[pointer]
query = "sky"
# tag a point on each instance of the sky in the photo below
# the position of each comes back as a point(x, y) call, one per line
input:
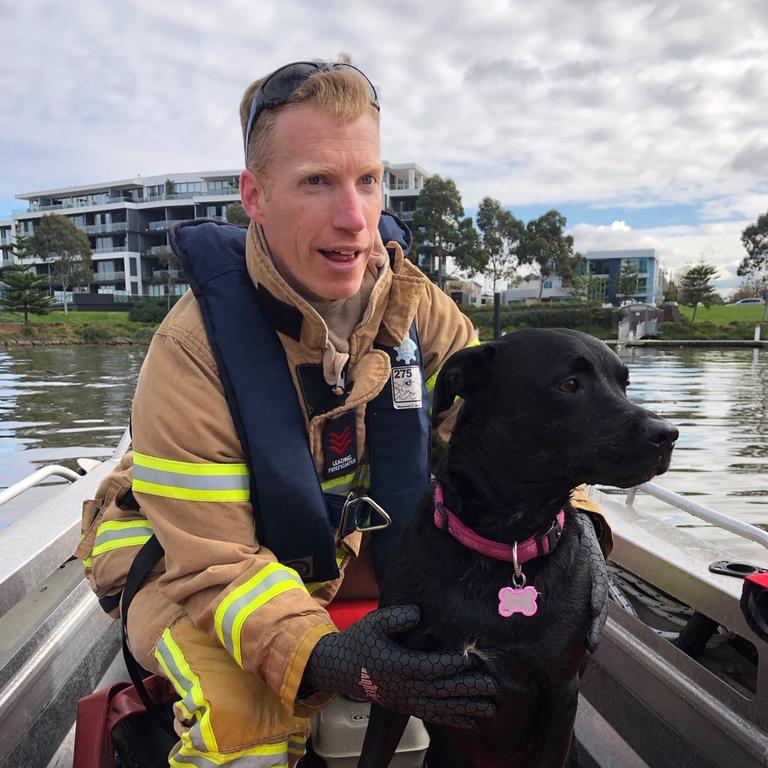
point(644, 123)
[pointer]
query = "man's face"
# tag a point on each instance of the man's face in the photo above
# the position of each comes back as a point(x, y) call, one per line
point(321, 202)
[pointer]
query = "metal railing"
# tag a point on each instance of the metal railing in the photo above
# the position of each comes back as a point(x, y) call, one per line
point(37, 477)
point(721, 520)
point(100, 229)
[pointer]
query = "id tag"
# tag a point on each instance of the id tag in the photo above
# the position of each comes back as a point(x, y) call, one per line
point(513, 600)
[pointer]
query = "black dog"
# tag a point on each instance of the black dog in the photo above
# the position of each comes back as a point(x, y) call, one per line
point(543, 411)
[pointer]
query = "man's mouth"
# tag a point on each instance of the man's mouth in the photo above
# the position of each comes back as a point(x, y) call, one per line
point(339, 255)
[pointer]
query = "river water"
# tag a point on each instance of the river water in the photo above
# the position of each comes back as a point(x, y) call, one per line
point(61, 403)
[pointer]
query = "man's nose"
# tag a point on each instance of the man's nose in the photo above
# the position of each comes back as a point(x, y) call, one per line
point(349, 211)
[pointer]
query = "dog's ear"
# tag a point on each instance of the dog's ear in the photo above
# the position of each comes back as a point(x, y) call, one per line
point(464, 372)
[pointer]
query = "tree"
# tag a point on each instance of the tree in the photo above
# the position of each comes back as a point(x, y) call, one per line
point(751, 287)
point(671, 290)
point(65, 248)
point(629, 280)
point(543, 245)
point(170, 187)
point(696, 288)
point(468, 251)
point(236, 215)
point(500, 233)
point(23, 291)
point(754, 266)
point(437, 218)
point(589, 288)
point(167, 276)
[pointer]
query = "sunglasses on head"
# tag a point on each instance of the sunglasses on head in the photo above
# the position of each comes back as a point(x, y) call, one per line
point(278, 87)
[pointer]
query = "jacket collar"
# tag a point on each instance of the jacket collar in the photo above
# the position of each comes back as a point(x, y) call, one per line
point(391, 307)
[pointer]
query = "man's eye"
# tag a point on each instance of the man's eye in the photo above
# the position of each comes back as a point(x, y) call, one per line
point(368, 179)
point(314, 180)
point(569, 385)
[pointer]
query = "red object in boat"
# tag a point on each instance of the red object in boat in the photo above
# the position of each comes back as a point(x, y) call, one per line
point(346, 612)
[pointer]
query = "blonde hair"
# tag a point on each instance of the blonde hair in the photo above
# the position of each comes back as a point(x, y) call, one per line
point(341, 93)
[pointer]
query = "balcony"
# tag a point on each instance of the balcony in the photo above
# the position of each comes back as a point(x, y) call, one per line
point(111, 249)
point(162, 226)
point(102, 229)
point(161, 275)
point(158, 250)
point(108, 277)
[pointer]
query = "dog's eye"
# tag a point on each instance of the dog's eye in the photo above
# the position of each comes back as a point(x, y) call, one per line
point(569, 385)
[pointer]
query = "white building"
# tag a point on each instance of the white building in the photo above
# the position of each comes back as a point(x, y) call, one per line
point(527, 291)
point(127, 221)
point(607, 265)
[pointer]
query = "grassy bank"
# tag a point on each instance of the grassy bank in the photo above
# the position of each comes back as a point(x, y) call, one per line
point(713, 323)
point(74, 328)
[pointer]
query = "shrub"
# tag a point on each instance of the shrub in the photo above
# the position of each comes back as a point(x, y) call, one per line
point(143, 335)
point(150, 310)
point(599, 322)
point(95, 334)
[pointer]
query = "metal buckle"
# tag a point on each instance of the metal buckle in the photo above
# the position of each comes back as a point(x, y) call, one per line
point(518, 578)
point(350, 507)
point(553, 534)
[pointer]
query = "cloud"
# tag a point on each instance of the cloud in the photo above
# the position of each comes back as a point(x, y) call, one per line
point(600, 102)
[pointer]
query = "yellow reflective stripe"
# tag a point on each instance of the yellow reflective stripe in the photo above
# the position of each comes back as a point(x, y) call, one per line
point(187, 685)
point(88, 562)
point(116, 534)
point(329, 485)
point(131, 541)
point(188, 467)
point(272, 580)
point(475, 341)
point(273, 755)
point(190, 494)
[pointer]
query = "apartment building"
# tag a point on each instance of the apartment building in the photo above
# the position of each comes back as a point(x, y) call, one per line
point(127, 224)
point(607, 265)
point(128, 221)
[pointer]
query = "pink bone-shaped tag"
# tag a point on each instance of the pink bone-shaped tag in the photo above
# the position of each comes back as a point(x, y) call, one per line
point(513, 601)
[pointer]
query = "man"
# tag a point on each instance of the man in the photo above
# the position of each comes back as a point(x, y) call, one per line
point(233, 628)
point(226, 478)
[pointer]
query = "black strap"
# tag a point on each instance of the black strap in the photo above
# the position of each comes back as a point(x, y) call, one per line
point(146, 558)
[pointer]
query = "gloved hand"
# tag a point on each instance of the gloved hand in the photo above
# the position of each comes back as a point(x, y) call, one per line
point(364, 661)
point(593, 553)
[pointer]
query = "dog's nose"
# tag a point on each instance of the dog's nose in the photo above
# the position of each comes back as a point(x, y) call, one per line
point(662, 433)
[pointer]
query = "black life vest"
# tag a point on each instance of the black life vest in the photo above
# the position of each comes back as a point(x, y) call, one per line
point(293, 517)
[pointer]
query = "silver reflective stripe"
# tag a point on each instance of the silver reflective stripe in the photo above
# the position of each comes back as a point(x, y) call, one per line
point(280, 574)
point(279, 760)
point(224, 482)
point(105, 536)
point(187, 686)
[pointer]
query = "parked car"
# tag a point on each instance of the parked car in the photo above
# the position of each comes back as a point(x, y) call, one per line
point(753, 300)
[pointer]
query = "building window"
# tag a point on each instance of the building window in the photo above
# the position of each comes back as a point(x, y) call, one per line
point(187, 187)
point(224, 186)
point(132, 266)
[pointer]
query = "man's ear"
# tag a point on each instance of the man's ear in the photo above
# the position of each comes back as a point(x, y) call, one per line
point(464, 373)
point(252, 195)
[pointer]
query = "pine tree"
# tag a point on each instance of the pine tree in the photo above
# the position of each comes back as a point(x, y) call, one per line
point(23, 291)
point(695, 287)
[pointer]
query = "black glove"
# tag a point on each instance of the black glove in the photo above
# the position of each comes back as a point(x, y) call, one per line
point(362, 661)
point(599, 600)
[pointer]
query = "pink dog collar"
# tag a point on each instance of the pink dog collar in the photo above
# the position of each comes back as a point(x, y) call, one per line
point(536, 546)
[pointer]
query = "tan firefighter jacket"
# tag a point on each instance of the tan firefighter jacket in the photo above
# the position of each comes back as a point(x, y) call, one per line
point(214, 568)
